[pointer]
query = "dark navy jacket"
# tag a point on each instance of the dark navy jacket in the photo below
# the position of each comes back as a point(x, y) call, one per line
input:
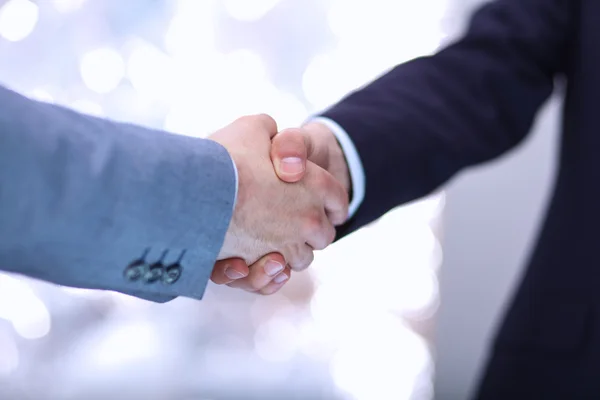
point(425, 120)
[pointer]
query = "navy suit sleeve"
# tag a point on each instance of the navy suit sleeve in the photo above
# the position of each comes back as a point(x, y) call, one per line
point(422, 122)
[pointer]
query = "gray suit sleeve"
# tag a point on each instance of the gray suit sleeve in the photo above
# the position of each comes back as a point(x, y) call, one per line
point(92, 203)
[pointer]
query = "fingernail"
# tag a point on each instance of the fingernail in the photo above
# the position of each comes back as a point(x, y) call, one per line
point(233, 274)
point(280, 278)
point(272, 268)
point(292, 165)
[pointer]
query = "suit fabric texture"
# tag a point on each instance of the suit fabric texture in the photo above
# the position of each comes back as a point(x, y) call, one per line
point(92, 203)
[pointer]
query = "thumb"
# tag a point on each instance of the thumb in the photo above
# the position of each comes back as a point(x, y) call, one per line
point(289, 151)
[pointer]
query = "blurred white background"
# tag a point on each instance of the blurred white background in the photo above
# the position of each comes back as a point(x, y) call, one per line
point(358, 325)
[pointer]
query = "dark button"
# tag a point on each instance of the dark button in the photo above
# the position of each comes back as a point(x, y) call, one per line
point(172, 274)
point(135, 270)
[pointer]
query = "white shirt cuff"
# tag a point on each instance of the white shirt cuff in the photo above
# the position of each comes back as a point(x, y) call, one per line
point(236, 182)
point(355, 166)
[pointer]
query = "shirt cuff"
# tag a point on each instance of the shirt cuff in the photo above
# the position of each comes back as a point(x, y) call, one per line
point(236, 182)
point(355, 166)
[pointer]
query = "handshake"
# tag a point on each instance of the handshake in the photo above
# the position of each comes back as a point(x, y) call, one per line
point(293, 190)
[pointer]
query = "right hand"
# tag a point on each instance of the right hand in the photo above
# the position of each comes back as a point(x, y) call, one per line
point(271, 215)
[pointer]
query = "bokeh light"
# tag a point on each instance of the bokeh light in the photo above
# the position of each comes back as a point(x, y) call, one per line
point(66, 6)
point(244, 10)
point(87, 107)
point(400, 357)
point(41, 95)
point(349, 328)
point(18, 18)
point(9, 354)
point(132, 341)
point(20, 306)
point(151, 72)
point(102, 70)
point(190, 36)
point(276, 340)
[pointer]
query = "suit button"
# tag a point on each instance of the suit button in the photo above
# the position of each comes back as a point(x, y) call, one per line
point(135, 270)
point(172, 274)
point(154, 273)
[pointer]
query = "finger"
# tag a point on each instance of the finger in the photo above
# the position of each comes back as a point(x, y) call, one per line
point(299, 257)
point(261, 273)
point(226, 271)
point(268, 123)
point(289, 151)
point(320, 232)
point(332, 194)
point(277, 283)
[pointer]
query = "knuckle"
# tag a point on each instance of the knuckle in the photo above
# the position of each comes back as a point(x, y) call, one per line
point(339, 216)
point(267, 121)
point(338, 193)
point(313, 226)
point(345, 200)
point(261, 120)
point(245, 119)
point(324, 239)
point(268, 291)
point(293, 143)
point(304, 259)
point(287, 254)
point(255, 284)
point(330, 234)
point(307, 260)
point(321, 182)
point(322, 233)
point(294, 262)
point(294, 134)
point(289, 145)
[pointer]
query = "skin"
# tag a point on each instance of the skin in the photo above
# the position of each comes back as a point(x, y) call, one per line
point(285, 222)
point(292, 152)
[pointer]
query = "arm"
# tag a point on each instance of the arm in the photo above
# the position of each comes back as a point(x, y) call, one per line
point(91, 203)
point(425, 120)
point(81, 198)
point(402, 136)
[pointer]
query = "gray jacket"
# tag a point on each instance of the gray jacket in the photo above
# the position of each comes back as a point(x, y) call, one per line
point(92, 203)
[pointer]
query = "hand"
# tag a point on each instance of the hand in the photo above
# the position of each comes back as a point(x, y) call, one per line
point(273, 216)
point(289, 152)
point(314, 142)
